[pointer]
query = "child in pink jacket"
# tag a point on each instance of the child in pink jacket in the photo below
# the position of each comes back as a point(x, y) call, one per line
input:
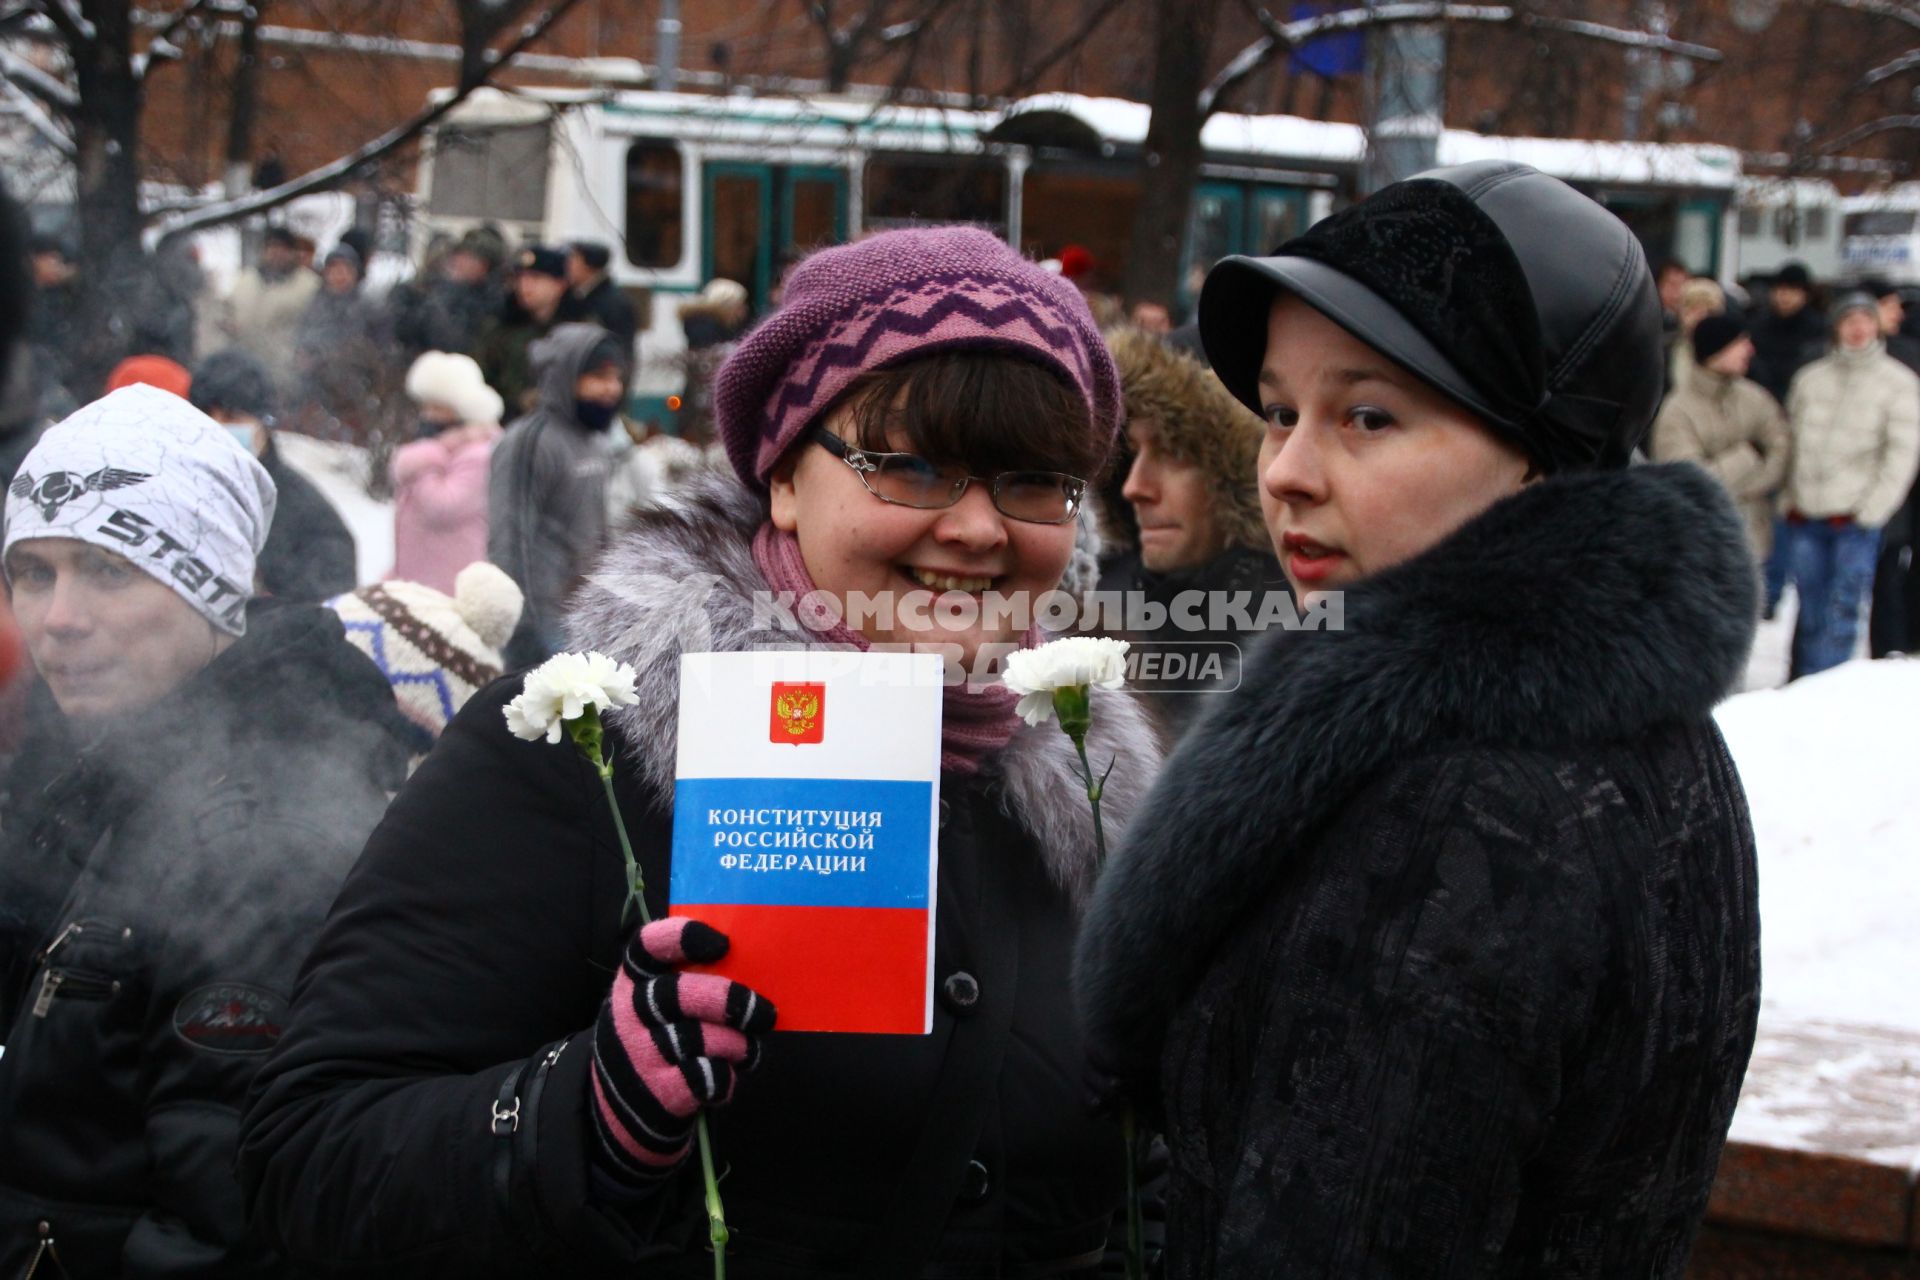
point(440, 479)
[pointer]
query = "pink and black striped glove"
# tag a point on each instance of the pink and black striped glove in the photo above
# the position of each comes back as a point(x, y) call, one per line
point(668, 1044)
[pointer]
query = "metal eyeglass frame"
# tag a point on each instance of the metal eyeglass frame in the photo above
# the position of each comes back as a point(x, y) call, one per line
point(863, 463)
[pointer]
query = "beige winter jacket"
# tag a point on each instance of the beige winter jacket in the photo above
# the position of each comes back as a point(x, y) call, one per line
point(262, 315)
point(1734, 429)
point(1856, 436)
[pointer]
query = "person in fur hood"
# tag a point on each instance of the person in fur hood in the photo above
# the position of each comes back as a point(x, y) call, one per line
point(1437, 947)
point(1186, 515)
point(457, 1093)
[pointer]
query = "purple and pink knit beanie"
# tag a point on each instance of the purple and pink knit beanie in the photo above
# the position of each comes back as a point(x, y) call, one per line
point(889, 298)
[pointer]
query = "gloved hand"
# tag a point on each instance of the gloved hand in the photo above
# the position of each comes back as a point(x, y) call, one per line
point(668, 1044)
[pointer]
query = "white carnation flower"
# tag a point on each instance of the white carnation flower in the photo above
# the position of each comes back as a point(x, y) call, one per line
point(562, 688)
point(1076, 662)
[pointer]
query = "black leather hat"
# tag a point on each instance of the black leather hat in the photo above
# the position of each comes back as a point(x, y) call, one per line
point(1506, 290)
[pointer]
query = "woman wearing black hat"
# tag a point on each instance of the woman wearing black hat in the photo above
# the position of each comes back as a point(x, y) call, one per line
point(1438, 945)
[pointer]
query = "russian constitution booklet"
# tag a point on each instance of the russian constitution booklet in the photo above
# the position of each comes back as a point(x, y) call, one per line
point(804, 828)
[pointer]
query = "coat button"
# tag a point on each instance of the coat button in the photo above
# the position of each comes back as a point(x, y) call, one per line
point(962, 992)
point(975, 1185)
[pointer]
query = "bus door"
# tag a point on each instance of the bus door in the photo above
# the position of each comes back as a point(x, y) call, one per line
point(757, 217)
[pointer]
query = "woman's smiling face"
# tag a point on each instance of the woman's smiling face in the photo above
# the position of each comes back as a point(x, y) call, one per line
point(1364, 465)
point(934, 567)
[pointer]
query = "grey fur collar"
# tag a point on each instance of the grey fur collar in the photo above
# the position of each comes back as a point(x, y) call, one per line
point(1585, 609)
point(682, 581)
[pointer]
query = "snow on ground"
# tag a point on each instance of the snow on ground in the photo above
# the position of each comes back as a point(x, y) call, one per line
point(1828, 763)
point(340, 472)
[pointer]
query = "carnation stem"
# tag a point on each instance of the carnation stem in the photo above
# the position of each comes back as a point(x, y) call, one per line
point(636, 900)
point(1136, 1256)
point(1095, 787)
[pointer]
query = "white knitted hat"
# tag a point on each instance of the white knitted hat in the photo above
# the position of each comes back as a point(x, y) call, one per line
point(434, 649)
point(445, 377)
point(145, 475)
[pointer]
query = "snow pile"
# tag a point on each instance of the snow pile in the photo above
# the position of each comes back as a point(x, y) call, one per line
point(1829, 767)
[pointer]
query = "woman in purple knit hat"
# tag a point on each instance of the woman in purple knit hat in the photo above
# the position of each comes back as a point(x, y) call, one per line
point(919, 421)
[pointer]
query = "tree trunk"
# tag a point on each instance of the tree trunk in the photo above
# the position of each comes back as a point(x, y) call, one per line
point(106, 132)
point(1170, 165)
point(243, 109)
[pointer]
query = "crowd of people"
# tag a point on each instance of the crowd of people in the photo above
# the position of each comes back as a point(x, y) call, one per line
point(1810, 416)
point(1425, 866)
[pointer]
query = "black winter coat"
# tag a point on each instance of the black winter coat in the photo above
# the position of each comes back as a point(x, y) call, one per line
point(470, 952)
point(309, 556)
point(1784, 345)
point(1440, 945)
point(606, 306)
point(160, 889)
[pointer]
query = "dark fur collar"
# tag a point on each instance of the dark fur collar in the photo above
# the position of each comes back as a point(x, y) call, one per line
point(682, 580)
point(1586, 608)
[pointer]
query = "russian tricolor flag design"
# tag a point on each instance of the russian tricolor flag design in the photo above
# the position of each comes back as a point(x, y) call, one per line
point(817, 860)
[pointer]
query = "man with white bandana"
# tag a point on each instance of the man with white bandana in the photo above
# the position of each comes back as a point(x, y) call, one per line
point(200, 770)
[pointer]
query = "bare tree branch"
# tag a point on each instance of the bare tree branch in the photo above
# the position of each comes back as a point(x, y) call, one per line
point(1284, 37)
point(1905, 62)
point(50, 90)
point(1885, 124)
point(162, 47)
point(68, 21)
point(37, 117)
point(1030, 76)
point(331, 175)
point(1907, 13)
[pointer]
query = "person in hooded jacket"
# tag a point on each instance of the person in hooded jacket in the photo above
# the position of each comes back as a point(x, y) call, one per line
point(1438, 945)
point(198, 775)
point(547, 481)
point(466, 970)
point(1200, 568)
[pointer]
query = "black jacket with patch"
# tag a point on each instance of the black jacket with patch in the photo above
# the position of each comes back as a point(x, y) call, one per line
point(161, 887)
point(1440, 943)
point(462, 969)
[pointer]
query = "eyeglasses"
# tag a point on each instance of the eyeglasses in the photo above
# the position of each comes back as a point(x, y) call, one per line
point(909, 480)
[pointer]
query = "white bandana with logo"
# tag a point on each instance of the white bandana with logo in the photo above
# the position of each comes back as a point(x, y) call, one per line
point(147, 476)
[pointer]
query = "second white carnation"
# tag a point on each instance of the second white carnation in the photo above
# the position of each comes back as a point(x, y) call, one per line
point(1074, 662)
point(562, 688)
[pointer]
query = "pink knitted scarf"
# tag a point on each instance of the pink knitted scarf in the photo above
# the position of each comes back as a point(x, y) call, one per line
point(974, 723)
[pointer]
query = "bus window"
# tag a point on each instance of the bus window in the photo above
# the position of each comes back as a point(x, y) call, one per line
point(1880, 222)
point(1214, 232)
point(490, 173)
point(654, 182)
point(1277, 218)
point(905, 191)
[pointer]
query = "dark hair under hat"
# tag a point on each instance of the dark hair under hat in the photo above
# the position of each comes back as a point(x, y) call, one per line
point(283, 236)
point(593, 253)
point(1715, 334)
point(542, 260)
point(1794, 275)
point(1506, 290)
point(233, 381)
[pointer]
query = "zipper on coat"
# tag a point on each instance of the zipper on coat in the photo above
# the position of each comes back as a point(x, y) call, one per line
point(45, 1252)
point(74, 929)
point(73, 985)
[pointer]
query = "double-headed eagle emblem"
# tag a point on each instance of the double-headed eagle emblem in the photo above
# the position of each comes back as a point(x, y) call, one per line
point(57, 488)
point(798, 710)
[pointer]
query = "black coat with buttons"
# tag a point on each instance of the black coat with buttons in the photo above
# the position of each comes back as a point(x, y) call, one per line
point(469, 954)
point(158, 888)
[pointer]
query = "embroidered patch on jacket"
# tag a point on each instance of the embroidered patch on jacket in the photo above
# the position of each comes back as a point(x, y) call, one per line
point(231, 1017)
